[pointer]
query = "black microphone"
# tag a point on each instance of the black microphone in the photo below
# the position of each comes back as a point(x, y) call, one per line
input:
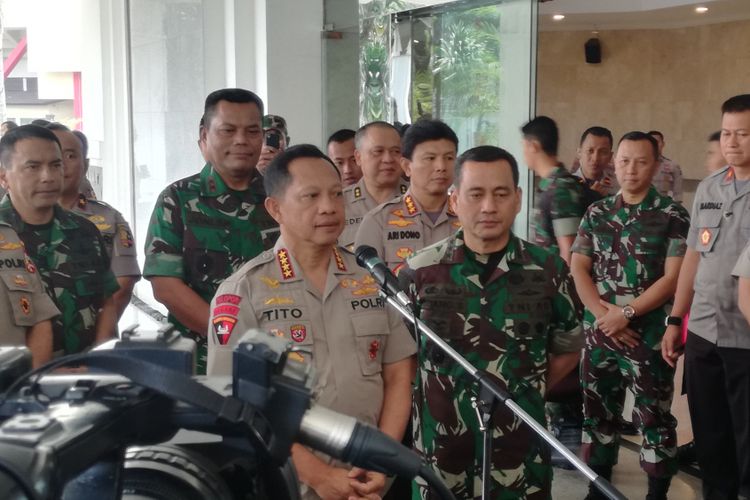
point(368, 258)
point(342, 437)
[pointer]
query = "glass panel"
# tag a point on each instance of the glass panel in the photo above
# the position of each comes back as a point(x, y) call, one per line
point(472, 67)
point(166, 44)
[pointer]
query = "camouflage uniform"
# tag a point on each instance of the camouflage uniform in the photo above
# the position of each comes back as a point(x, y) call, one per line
point(73, 264)
point(118, 239)
point(628, 246)
point(507, 326)
point(558, 208)
point(398, 228)
point(201, 232)
point(348, 328)
point(23, 301)
point(668, 179)
point(358, 203)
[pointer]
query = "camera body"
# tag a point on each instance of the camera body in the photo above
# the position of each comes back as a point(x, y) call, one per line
point(92, 435)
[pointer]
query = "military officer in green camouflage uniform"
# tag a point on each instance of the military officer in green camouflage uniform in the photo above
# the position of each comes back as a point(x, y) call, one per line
point(626, 260)
point(67, 249)
point(504, 304)
point(421, 217)
point(114, 229)
point(25, 308)
point(378, 153)
point(559, 200)
point(204, 227)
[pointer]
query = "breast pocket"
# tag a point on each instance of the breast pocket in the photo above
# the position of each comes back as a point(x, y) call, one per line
point(371, 335)
point(19, 295)
point(708, 230)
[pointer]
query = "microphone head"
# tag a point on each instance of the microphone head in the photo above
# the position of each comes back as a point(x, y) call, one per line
point(364, 253)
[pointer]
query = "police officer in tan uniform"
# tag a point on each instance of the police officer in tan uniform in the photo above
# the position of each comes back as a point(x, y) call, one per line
point(717, 349)
point(421, 217)
point(311, 292)
point(118, 239)
point(25, 308)
point(378, 153)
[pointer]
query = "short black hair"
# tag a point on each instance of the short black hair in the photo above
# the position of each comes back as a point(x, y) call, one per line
point(486, 154)
point(10, 124)
point(597, 131)
point(361, 132)
point(342, 135)
point(84, 142)
point(9, 140)
point(736, 104)
point(57, 126)
point(716, 136)
point(425, 130)
point(655, 132)
point(641, 136)
point(41, 122)
point(544, 130)
point(229, 95)
point(277, 176)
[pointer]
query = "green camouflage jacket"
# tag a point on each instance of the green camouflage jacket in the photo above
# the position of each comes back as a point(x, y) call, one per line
point(72, 261)
point(628, 246)
point(558, 208)
point(507, 326)
point(201, 231)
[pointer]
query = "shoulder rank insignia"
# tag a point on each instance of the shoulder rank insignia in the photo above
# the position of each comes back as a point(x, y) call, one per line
point(403, 189)
point(411, 207)
point(339, 260)
point(287, 271)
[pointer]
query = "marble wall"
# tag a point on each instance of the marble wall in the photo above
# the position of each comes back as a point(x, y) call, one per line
point(672, 80)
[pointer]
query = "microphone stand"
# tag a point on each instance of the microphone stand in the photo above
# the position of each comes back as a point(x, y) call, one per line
point(489, 394)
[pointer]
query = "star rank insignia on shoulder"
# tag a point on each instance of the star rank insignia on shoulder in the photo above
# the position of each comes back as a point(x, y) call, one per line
point(287, 271)
point(411, 206)
point(339, 260)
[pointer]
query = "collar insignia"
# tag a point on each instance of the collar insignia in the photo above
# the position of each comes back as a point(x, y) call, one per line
point(339, 261)
point(411, 207)
point(287, 271)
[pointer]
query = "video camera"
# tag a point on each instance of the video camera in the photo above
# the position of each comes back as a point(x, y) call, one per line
point(135, 424)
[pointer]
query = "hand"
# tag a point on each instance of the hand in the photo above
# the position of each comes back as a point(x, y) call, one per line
point(671, 345)
point(601, 187)
point(334, 484)
point(366, 482)
point(266, 155)
point(613, 321)
point(625, 338)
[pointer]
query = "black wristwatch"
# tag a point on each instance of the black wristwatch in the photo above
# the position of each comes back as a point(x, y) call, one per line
point(673, 321)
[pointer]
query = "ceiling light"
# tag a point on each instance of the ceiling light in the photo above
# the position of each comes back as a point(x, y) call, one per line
point(558, 17)
point(701, 10)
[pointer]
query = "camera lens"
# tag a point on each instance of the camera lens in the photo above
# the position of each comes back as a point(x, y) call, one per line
point(170, 473)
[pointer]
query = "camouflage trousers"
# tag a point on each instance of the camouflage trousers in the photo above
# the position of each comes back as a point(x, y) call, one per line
point(447, 435)
point(606, 371)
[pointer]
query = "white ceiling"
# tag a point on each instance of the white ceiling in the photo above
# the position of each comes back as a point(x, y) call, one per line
point(584, 15)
